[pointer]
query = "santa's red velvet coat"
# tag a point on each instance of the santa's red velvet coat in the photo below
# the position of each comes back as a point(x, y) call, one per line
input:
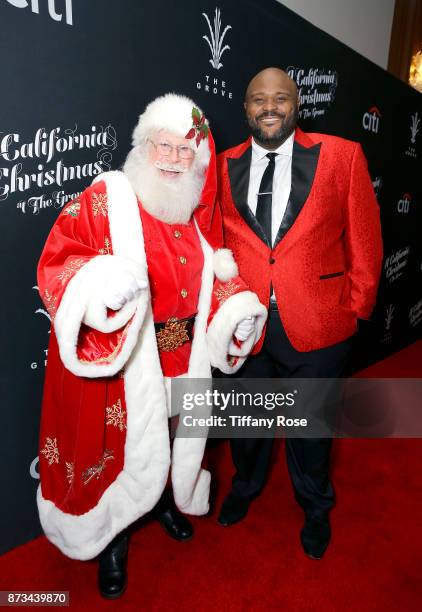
point(104, 442)
point(326, 261)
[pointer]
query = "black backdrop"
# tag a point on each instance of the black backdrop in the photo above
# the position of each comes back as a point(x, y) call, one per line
point(74, 79)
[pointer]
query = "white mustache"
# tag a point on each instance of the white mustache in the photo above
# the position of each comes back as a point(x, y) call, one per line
point(170, 167)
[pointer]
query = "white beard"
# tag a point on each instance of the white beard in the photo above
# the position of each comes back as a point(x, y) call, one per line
point(169, 200)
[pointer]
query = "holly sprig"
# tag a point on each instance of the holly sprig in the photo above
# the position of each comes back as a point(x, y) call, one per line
point(199, 129)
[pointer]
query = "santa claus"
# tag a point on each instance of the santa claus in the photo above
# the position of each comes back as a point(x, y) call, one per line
point(139, 291)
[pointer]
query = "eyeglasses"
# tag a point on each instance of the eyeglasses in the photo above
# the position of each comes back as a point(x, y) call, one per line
point(165, 149)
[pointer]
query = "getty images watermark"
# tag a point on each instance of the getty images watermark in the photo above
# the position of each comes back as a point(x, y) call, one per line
point(305, 408)
point(226, 401)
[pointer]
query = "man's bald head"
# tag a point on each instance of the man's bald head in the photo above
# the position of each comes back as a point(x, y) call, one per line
point(272, 77)
point(272, 107)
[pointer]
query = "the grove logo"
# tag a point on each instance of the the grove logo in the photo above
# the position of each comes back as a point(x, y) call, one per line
point(217, 39)
point(371, 120)
point(34, 4)
point(43, 358)
point(403, 205)
point(209, 83)
point(414, 128)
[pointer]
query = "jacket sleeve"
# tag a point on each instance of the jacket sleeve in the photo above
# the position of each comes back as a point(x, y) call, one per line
point(363, 237)
point(232, 301)
point(73, 270)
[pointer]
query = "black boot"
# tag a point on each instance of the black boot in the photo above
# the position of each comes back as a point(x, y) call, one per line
point(112, 576)
point(315, 535)
point(233, 510)
point(174, 523)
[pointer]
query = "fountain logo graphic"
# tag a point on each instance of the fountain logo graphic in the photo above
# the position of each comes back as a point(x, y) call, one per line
point(217, 39)
point(388, 319)
point(41, 310)
point(389, 313)
point(44, 352)
point(414, 128)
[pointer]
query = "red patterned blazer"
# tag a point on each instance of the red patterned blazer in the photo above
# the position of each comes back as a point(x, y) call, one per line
point(326, 260)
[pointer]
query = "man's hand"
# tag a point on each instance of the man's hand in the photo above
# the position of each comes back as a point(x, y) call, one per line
point(245, 328)
point(123, 288)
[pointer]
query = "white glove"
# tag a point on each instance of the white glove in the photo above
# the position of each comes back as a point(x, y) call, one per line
point(245, 328)
point(121, 289)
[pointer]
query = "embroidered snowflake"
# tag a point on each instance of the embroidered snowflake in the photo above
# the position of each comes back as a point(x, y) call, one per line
point(226, 290)
point(73, 209)
point(70, 269)
point(107, 247)
point(116, 415)
point(70, 472)
point(50, 303)
point(99, 204)
point(50, 451)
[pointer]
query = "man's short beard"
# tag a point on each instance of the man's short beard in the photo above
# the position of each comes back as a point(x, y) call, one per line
point(287, 128)
point(169, 200)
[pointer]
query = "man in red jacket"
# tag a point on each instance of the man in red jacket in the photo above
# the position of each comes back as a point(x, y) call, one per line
point(301, 207)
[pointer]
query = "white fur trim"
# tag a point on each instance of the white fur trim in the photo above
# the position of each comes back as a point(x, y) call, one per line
point(191, 484)
point(225, 266)
point(221, 329)
point(173, 113)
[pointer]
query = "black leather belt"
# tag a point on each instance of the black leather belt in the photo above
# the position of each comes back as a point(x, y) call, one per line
point(174, 333)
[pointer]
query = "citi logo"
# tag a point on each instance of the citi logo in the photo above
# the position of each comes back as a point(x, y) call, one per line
point(34, 4)
point(371, 120)
point(403, 205)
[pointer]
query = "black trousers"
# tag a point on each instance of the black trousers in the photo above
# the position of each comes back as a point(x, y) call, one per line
point(308, 460)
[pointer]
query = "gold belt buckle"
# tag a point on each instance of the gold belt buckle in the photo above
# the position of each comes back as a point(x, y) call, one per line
point(173, 335)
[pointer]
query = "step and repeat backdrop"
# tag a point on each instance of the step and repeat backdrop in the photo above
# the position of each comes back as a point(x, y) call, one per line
point(75, 75)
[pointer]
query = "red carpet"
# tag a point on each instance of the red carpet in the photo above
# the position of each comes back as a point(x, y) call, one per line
point(373, 562)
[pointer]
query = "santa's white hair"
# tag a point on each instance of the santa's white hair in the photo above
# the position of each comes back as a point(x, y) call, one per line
point(173, 113)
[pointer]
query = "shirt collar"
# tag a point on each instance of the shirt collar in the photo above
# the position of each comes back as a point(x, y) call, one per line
point(286, 148)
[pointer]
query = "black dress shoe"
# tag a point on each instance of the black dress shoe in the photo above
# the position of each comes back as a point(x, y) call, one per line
point(175, 524)
point(112, 576)
point(233, 510)
point(315, 536)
